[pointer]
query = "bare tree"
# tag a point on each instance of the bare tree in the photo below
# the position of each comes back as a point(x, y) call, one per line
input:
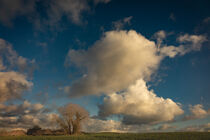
point(70, 118)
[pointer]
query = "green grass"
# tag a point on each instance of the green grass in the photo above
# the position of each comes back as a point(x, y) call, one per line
point(117, 136)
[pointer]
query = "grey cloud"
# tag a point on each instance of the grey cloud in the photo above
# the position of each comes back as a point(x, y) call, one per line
point(119, 24)
point(25, 116)
point(166, 127)
point(97, 125)
point(70, 8)
point(172, 17)
point(12, 84)
point(101, 1)
point(160, 36)
point(55, 10)
point(9, 59)
point(199, 128)
point(10, 9)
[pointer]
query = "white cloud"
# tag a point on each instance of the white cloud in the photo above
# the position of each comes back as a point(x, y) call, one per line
point(123, 56)
point(119, 65)
point(138, 105)
point(118, 56)
point(197, 112)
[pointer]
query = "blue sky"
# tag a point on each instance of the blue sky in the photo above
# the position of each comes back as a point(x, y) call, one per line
point(38, 33)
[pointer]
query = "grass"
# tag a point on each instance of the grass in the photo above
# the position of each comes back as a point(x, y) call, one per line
point(120, 136)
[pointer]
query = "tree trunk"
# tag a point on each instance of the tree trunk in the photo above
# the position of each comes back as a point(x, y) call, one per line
point(76, 127)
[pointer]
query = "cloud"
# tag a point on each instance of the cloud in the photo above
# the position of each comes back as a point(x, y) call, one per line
point(118, 56)
point(187, 42)
point(119, 24)
point(9, 59)
point(160, 36)
point(119, 65)
point(54, 11)
point(97, 125)
point(14, 71)
point(10, 9)
point(2, 67)
point(172, 17)
point(12, 84)
point(101, 1)
point(197, 112)
point(166, 127)
point(138, 105)
point(70, 8)
point(25, 115)
point(123, 56)
point(200, 128)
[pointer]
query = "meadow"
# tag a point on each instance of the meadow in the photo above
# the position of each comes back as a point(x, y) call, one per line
point(120, 136)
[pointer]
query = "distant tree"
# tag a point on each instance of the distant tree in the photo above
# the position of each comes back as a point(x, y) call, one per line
point(34, 130)
point(70, 118)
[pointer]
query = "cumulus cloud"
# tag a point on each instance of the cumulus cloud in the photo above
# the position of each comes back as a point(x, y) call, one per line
point(119, 24)
point(119, 65)
point(12, 84)
point(118, 56)
point(138, 105)
point(123, 56)
point(25, 115)
point(197, 112)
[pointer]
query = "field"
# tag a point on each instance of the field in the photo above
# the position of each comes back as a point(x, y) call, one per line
point(117, 136)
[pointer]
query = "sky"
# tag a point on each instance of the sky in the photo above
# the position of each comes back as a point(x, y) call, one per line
point(135, 66)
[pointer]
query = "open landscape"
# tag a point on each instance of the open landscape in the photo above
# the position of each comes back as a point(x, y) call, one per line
point(120, 136)
point(104, 69)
